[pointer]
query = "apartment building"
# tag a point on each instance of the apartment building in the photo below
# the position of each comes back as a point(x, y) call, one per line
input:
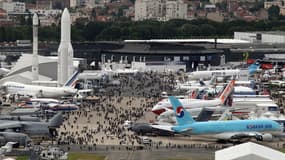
point(160, 9)
point(176, 9)
point(18, 7)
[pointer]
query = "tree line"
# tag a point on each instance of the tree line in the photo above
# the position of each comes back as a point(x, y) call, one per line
point(96, 31)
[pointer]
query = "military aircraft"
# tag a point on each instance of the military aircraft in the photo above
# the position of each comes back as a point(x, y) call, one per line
point(20, 139)
point(31, 128)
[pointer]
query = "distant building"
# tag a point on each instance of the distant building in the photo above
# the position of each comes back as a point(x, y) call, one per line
point(90, 3)
point(145, 9)
point(3, 14)
point(216, 16)
point(160, 9)
point(17, 7)
point(176, 9)
point(282, 11)
point(82, 3)
point(45, 12)
point(273, 37)
point(216, 1)
point(268, 4)
point(73, 3)
point(44, 4)
point(210, 7)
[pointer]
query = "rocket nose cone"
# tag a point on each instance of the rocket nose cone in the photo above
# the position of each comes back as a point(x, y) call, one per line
point(65, 16)
point(35, 19)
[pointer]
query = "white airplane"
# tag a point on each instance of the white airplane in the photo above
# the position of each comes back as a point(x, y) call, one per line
point(165, 104)
point(191, 85)
point(6, 149)
point(4, 71)
point(208, 74)
point(14, 88)
point(226, 131)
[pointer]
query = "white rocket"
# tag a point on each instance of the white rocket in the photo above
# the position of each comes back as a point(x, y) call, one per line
point(35, 65)
point(65, 50)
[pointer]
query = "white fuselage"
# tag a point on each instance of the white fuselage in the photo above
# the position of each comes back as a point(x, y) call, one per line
point(38, 91)
point(161, 106)
point(208, 74)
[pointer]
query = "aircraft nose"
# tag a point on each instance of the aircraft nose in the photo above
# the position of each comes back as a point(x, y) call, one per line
point(158, 110)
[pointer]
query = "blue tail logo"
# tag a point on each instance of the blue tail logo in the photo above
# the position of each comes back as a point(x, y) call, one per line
point(180, 112)
point(183, 117)
point(72, 80)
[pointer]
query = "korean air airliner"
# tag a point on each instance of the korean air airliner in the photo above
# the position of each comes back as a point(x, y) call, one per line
point(232, 130)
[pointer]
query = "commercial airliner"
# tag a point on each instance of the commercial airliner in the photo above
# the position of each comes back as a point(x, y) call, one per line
point(49, 104)
point(191, 85)
point(14, 88)
point(165, 104)
point(232, 130)
point(208, 74)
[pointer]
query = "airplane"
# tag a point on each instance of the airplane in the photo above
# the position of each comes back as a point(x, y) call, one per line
point(19, 118)
point(208, 74)
point(190, 85)
point(14, 88)
point(253, 68)
point(61, 107)
point(6, 149)
point(36, 102)
point(33, 129)
point(223, 131)
point(49, 104)
point(201, 114)
point(4, 71)
point(21, 138)
point(165, 104)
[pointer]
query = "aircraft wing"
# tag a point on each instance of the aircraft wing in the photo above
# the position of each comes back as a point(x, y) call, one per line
point(163, 127)
point(9, 125)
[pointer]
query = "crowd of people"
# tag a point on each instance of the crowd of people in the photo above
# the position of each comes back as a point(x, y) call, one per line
point(101, 122)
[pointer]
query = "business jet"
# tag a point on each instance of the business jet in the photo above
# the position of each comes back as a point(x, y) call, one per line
point(14, 88)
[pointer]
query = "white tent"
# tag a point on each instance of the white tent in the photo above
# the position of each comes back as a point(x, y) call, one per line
point(249, 151)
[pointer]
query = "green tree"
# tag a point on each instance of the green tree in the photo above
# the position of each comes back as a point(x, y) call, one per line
point(273, 12)
point(188, 30)
point(207, 30)
point(110, 33)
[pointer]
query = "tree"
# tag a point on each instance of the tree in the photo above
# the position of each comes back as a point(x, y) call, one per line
point(273, 12)
point(188, 30)
point(133, 1)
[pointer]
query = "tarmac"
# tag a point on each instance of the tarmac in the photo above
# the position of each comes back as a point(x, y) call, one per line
point(98, 126)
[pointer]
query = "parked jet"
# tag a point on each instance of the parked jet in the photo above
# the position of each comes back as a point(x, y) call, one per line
point(6, 149)
point(21, 138)
point(14, 88)
point(33, 129)
point(233, 130)
point(19, 118)
point(208, 74)
point(49, 104)
point(165, 104)
point(253, 68)
point(190, 85)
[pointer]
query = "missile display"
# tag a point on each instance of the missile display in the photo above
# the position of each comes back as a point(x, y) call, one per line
point(65, 50)
point(35, 61)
